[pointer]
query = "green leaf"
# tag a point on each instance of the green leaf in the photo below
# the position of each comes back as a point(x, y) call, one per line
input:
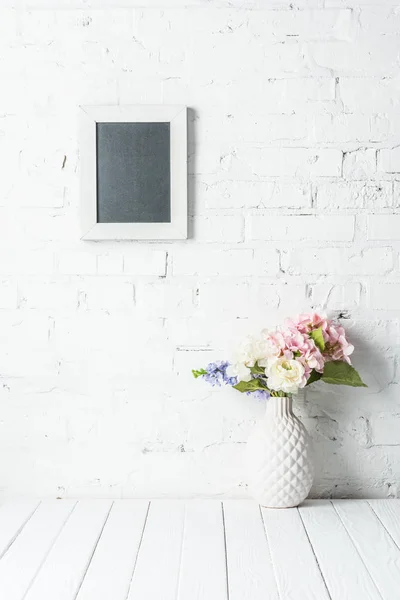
point(256, 370)
point(250, 386)
point(338, 372)
point(199, 373)
point(315, 376)
point(318, 338)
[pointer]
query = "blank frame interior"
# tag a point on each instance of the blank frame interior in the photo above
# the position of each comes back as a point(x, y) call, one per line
point(134, 172)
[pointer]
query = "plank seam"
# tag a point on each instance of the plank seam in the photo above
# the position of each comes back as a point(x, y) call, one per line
point(384, 527)
point(17, 533)
point(356, 549)
point(138, 550)
point(270, 553)
point(226, 551)
point(315, 555)
point(178, 583)
point(48, 551)
point(92, 554)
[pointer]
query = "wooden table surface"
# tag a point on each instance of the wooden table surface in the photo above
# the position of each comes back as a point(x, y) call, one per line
point(199, 550)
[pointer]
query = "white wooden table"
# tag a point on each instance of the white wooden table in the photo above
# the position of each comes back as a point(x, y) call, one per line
point(199, 550)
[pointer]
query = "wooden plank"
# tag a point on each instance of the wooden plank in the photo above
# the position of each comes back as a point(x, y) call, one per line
point(20, 564)
point(203, 568)
point(13, 517)
point(156, 573)
point(388, 512)
point(342, 568)
point(293, 556)
point(250, 570)
point(378, 551)
point(64, 569)
point(110, 572)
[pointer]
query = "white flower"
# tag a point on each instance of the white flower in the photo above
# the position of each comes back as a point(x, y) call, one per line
point(254, 350)
point(239, 370)
point(257, 350)
point(285, 375)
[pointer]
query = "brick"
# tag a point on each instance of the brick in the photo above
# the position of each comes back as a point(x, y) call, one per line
point(335, 296)
point(252, 162)
point(384, 296)
point(354, 194)
point(383, 128)
point(210, 262)
point(77, 263)
point(360, 164)
point(369, 95)
point(9, 25)
point(48, 294)
point(304, 25)
point(389, 160)
point(218, 229)
point(396, 194)
point(233, 126)
point(165, 299)
point(379, 19)
point(301, 93)
point(233, 299)
point(265, 261)
point(291, 162)
point(385, 429)
point(380, 333)
point(8, 294)
point(238, 300)
point(384, 227)
point(110, 264)
point(101, 293)
point(312, 228)
point(28, 262)
point(138, 261)
point(345, 261)
point(253, 194)
point(361, 59)
point(342, 128)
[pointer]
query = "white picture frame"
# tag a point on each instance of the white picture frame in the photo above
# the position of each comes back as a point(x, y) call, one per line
point(177, 228)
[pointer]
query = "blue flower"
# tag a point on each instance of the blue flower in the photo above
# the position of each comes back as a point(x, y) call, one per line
point(259, 394)
point(216, 374)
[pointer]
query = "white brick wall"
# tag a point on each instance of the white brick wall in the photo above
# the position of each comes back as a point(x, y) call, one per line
point(294, 203)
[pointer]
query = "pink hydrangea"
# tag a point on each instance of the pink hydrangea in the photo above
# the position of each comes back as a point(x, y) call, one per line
point(305, 323)
point(294, 341)
point(294, 344)
point(337, 346)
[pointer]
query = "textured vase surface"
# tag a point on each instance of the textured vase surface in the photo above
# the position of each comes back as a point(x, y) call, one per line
point(280, 467)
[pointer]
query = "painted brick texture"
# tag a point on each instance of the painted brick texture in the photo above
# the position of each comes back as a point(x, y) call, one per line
point(294, 181)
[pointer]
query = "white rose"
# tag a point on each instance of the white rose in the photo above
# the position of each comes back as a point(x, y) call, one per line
point(239, 370)
point(257, 350)
point(285, 375)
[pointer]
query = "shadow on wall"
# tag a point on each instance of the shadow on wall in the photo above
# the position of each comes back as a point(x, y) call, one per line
point(351, 461)
point(192, 125)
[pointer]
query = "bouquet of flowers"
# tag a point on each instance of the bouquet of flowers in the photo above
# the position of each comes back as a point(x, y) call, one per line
point(280, 362)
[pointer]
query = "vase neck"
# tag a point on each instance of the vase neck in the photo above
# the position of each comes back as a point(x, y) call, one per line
point(279, 406)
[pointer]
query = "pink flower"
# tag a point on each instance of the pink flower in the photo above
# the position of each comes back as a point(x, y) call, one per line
point(296, 345)
point(337, 347)
point(294, 342)
point(307, 322)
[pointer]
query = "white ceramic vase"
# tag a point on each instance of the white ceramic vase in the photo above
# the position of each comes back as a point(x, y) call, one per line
point(280, 468)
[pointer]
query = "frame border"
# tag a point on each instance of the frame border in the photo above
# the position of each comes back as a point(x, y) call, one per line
point(177, 229)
